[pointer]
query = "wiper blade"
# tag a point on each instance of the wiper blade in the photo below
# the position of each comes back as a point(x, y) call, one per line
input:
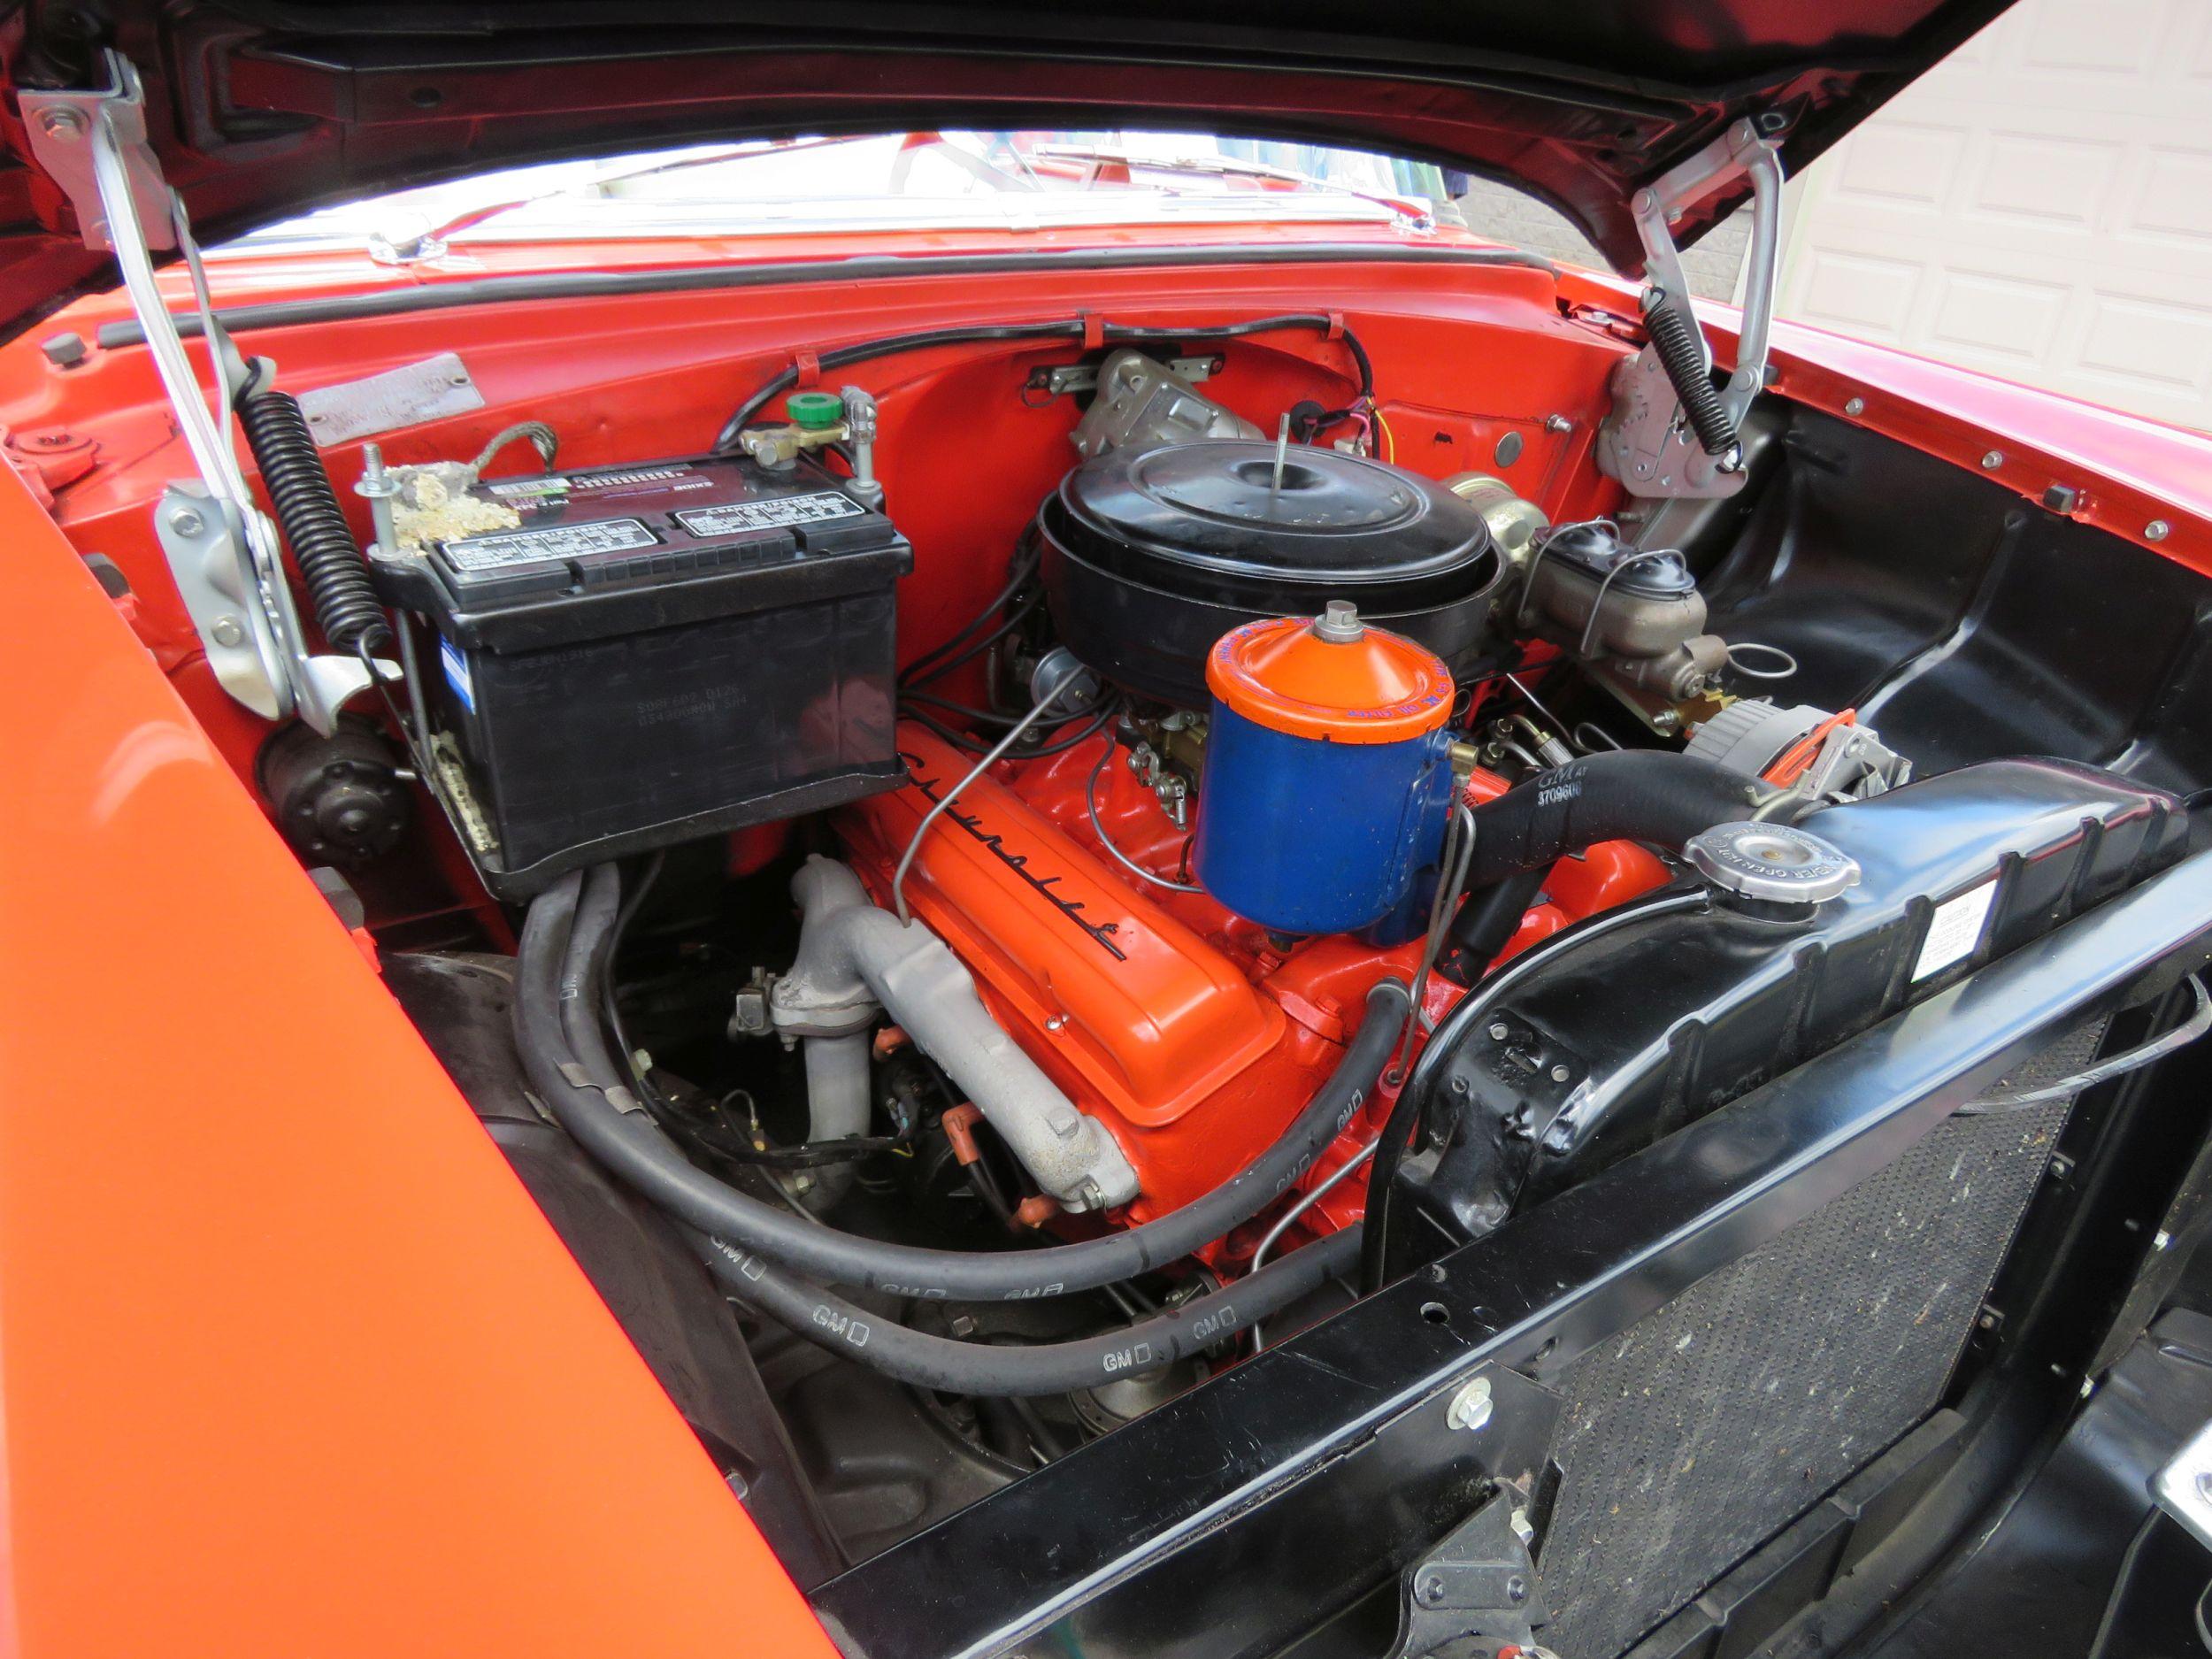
point(1415, 211)
point(432, 241)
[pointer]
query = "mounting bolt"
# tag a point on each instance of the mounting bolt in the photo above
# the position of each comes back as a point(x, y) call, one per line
point(226, 631)
point(1995, 460)
point(63, 124)
point(1559, 1074)
point(1498, 1031)
point(1430, 1590)
point(2157, 530)
point(1854, 406)
point(1471, 1407)
point(187, 521)
point(1558, 423)
point(962, 1324)
point(1517, 1589)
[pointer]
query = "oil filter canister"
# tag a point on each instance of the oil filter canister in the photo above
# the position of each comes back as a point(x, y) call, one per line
point(1328, 775)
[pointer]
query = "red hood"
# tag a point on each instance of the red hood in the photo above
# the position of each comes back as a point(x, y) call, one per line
point(260, 110)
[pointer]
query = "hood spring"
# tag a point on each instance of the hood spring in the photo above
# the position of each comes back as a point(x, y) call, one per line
point(329, 558)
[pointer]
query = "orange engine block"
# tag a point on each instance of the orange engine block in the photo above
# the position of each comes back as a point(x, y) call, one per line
point(1185, 1029)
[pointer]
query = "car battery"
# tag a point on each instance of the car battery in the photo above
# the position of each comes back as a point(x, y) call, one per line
point(654, 654)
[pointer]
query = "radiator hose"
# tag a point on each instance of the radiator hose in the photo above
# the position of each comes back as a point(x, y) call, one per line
point(322, 544)
point(563, 942)
point(571, 932)
point(1642, 794)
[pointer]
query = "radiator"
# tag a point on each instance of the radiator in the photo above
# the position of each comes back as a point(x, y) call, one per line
point(1706, 1428)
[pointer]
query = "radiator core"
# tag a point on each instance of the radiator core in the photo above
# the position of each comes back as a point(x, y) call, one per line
point(1709, 1425)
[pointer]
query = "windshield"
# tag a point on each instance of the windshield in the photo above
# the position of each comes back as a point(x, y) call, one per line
point(899, 181)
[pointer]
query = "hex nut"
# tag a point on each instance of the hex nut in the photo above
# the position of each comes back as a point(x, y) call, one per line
point(1471, 1407)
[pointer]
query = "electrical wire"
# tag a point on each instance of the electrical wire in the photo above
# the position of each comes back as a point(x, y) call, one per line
point(1078, 328)
point(967, 743)
point(991, 717)
point(928, 666)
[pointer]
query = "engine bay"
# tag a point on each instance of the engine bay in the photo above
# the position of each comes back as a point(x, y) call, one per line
point(1054, 857)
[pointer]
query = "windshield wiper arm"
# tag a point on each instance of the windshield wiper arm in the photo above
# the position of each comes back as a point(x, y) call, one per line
point(1414, 211)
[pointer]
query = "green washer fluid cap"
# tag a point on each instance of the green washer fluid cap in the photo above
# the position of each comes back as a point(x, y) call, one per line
point(814, 411)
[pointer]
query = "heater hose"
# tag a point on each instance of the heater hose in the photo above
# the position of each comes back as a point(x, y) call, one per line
point(564, 937)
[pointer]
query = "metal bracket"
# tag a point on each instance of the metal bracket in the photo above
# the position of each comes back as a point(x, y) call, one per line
point(1475, 1595)
point(1645, 442)
point(61, 127)
point(1063, 379)
point(2184, 1488)
point(215, 576)
point(221, 548)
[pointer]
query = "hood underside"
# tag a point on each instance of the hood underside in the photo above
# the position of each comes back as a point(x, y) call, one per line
point(259, 111)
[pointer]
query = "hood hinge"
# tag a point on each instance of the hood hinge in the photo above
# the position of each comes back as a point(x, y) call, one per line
point(221, 548)
point(1670, 432)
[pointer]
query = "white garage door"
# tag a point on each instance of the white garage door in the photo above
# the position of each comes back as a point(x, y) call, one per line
point(2040, 207)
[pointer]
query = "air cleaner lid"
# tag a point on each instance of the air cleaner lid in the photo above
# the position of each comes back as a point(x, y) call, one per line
point(1330, 677)
point(1213, 521)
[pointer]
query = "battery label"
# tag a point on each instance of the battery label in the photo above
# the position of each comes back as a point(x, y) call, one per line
point(555, 541)
point(562, 484)
point(456, 673)
point(777, 513)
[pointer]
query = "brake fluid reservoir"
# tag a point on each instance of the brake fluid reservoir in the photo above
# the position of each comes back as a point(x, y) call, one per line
point(1327, 776)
